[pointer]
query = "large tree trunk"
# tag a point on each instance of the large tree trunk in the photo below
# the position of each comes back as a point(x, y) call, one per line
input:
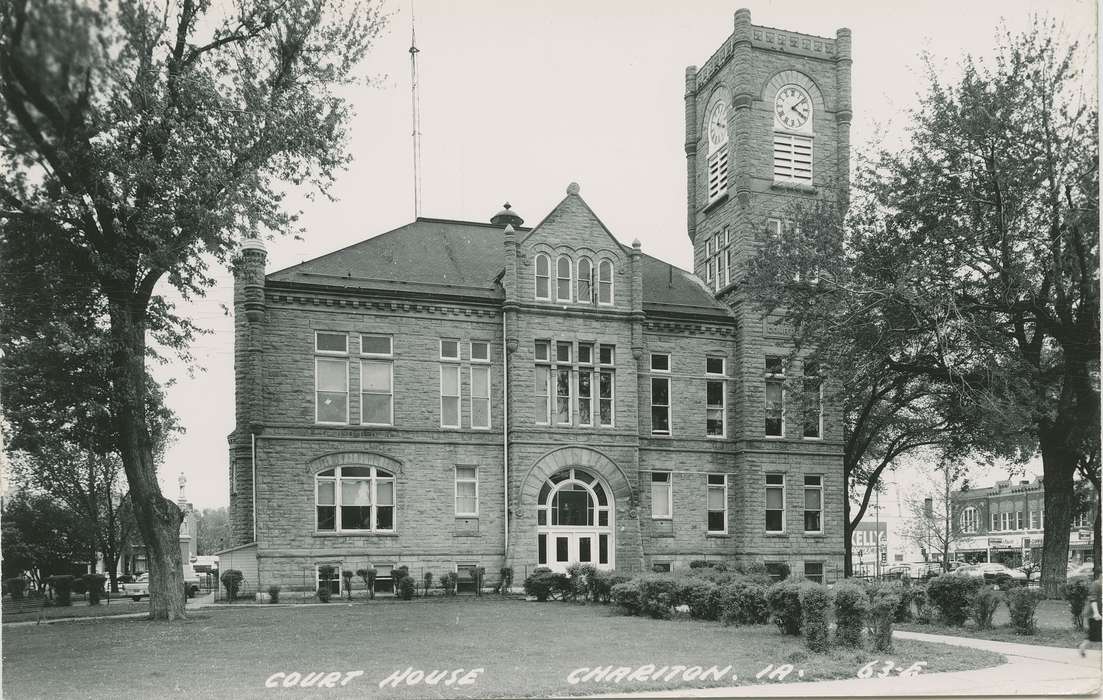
point(1058, 467)
point(157, 517)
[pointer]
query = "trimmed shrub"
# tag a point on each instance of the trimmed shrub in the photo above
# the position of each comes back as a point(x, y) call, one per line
point(346, 578)
point(882, 611)
point(1076, 591)
point(851, 609)
point(699, 595)
point(231, 580)
point(742, 603)
point(427, 582)
point(953, 595)
point(93, 583)
point(701, 564)
point(273, 594)
point(368, 576)
point(63, 589)
point(783, 599)
point(815, 600)
point(601, 585)
point(626, 596)
point(984, 606)
point(580, 576)
point(713, 574)
point(478, 575)
point(907, 597)
point(326, 573)
point(658, 595)
point(404, 589)
point(16, 586)
point(505, 579)
point(924, 610)
point(1021, 603)
point(756, 572)
point(543, 584)
point(448, 583)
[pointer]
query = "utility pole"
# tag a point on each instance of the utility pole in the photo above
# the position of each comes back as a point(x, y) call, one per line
point(415, 113)
point(877, 531)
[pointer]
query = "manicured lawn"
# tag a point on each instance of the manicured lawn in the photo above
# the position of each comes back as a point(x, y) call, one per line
point(523, 649)
point(1054, 627)
point(30, 610)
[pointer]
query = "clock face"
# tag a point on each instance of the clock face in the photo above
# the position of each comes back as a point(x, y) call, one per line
point(792, 107)
point(718, 126)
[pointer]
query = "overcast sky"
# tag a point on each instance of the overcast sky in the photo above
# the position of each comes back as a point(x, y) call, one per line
point(518, 99)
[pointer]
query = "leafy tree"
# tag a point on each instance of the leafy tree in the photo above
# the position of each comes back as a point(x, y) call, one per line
point(996, 199)
point(141, 142)
point(41, 537)
point(213, 526)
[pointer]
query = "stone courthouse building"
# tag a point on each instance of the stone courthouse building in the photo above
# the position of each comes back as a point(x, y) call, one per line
point(453, 394)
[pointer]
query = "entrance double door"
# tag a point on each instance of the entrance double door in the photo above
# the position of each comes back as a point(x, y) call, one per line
point(582, 546)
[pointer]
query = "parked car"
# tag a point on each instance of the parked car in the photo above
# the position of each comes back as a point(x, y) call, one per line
point(139, 588)
point(990, 570)
point(1084, 569)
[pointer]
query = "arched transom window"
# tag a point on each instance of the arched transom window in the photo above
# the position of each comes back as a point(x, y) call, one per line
point(571, 498)
point(354, 499)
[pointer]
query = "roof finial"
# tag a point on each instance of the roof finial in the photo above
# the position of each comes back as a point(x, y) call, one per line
point(573, 188)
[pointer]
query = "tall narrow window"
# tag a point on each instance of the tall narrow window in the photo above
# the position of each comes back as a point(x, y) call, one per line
point(563, 383)
point(775, 396)
point(1033, 519)
point(723, 256)
point(467, 491)
point(710, 263)
point(718, 151)
point(715, 397)
point(585, 281)
point(813, 504)
point(775, 503)
point(606, 384)
point(449, 384)
point(331, 378)
point(717, 504)
point(605, 282)
point(480, 396)
point(660, 393)
point(376, 392)
point(543, 276)
point(563, 279)
point(662, 496)
point(812, 401)
point(995, 522)
point(542, 383)
point(585, 384)
point(969, 520)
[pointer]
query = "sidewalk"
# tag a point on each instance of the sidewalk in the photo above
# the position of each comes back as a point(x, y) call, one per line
point(201, 601)
point(1030, 670)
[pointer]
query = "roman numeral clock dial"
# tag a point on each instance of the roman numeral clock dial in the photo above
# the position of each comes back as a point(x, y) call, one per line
point(792, 107)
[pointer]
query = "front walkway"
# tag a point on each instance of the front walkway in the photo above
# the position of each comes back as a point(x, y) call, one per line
point(1030, 670)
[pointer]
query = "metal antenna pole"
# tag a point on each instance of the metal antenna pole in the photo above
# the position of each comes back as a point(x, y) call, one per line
point(415, 114)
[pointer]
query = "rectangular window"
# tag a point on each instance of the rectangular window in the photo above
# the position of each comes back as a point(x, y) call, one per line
point(606, 385)
point(1019, 520)
point(813, 571)
point(775, 503)
point(325, 502)
point(1005, 521)
point(661, 496)
point(812, 401)
point(717, 504)
point(715, 397)
point(793, 158)
point(660, 394)
point(775, 396)
point(813, 504)
point(449, 396)
point(376, 392)
point(331, 383)
point(480, 396)
point(480, 351)
point(377, 345)
point(585, 396)
point(718, 174)
point(777, 570)
point(563, 395)
point(333, 584)
point(467, 491)
point(995, 522)
point(1033, 520)
point(450, 350)
point(331, 343)
point(710, 264)
point(541, 393)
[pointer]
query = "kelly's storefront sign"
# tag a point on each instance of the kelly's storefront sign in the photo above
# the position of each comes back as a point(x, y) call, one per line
point(869, 535)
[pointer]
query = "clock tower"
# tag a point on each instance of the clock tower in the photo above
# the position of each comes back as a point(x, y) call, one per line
point(768, 130)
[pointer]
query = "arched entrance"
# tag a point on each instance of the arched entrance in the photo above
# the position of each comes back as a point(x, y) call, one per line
point(574, 518)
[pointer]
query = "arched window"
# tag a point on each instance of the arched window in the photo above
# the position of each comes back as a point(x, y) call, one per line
point(585, 281)
point(969, 520)
point(563, 279)
point(718, 151)
point(354, 499)
point(605, 282)
point(574, 516)
point(543, 277)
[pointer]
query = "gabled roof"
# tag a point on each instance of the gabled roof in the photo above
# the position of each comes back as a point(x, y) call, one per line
point(465, 258)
